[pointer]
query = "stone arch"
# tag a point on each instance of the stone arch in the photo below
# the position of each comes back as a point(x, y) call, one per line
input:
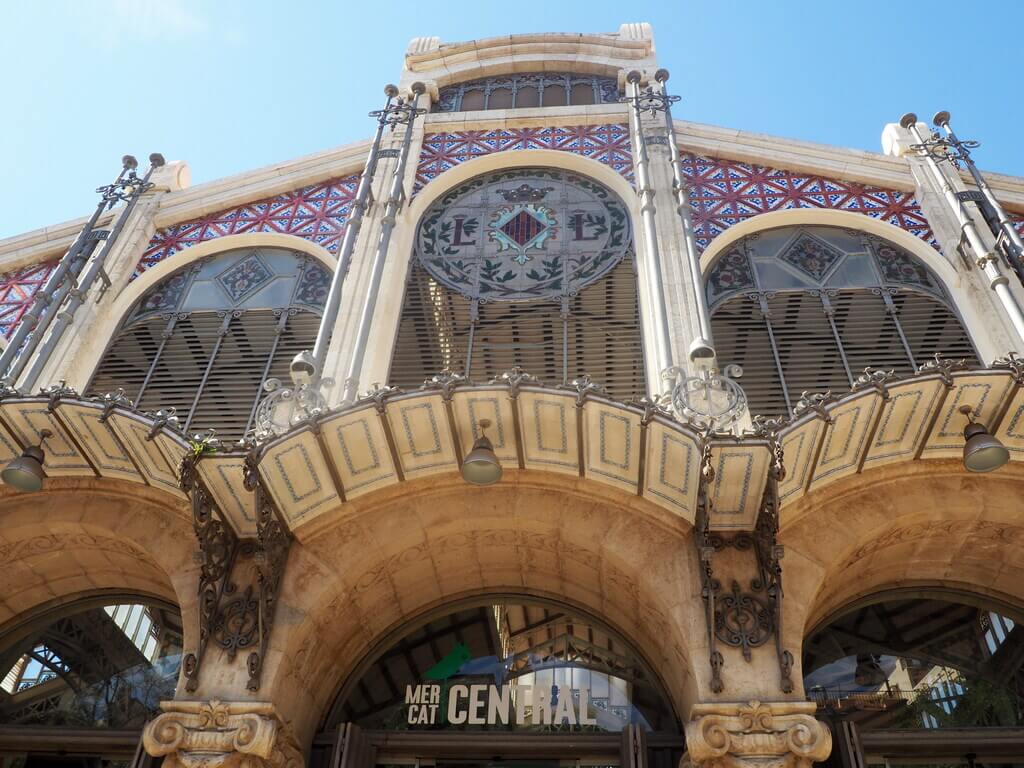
point(94, 344)
point(80, 539)
point(360, 580)
point(389, 307)
point(914, 525)
point(956, 286)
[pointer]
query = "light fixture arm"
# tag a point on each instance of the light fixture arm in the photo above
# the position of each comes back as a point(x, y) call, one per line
point(986, 261)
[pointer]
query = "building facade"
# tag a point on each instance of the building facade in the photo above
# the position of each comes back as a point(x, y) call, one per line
point(542, 427)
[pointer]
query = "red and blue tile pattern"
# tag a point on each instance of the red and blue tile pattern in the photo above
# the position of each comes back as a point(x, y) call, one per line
point(726, 192)
point(316, 213)
point(17, 290)
point(608, 144)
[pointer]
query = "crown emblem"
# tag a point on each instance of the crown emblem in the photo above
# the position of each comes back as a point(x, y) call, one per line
point(524, 193)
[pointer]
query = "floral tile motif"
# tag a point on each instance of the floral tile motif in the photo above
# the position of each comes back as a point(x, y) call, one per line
point(731, 273)
point(244, 278)
point(900, 267)
point(313, 286)
point(811, 256)
point(608, 144)
point(316, 213)
point(17, 289)
point(725, 192)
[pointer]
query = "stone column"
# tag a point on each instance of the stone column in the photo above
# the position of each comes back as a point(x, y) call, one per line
point(216, 734)
point(755, 735)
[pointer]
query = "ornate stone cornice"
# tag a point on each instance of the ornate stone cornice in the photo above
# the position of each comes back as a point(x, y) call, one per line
point(216, 734)
point(755, 735)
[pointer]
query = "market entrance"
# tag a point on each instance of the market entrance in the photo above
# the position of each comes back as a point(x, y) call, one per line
point(517, 681)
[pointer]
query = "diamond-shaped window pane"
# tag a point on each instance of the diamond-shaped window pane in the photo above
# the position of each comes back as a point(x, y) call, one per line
point(523, 227)
point(244, 278)
point(814, 257)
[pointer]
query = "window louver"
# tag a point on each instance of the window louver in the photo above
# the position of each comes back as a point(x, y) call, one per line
point(807, 355)
point(807, 309)
point(210, 368)
point(204, 340)
point(599, 336)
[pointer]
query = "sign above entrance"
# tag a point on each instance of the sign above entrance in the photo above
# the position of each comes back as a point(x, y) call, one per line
point(523, 234)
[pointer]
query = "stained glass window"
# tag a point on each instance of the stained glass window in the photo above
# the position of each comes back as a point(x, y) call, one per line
point(532, 89)
point(808, 308)
point(530, 268)
point(205, 339)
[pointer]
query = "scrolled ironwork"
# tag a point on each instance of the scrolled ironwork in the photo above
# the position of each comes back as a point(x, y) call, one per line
point(218, 549)
point(743, 620)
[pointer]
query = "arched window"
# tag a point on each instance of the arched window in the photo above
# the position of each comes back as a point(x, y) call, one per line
point(545, 667)
point(530, 268)
point(808, 308)
point(532, 89)
point(925, 660)
point(92, 663)
point(205, 339)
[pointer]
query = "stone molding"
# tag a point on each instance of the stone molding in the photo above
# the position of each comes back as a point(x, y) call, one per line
point(216, 734)
point(755, 735)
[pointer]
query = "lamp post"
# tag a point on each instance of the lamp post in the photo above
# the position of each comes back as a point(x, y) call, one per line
point(130, 190)
point(707, 398)
point(958, 151)
point(284, 407)
point(57, 285)
point(987, 261)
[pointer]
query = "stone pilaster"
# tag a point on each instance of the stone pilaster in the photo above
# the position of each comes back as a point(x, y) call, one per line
point(755, 735)
point(216, 734)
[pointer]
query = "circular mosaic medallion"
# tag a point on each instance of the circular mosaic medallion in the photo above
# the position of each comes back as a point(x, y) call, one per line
point(523, 234)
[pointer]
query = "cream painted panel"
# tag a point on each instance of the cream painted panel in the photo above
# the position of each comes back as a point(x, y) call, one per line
point(493, 404)
point(223, 477)
point(611, 436)
point(27, 419)
point(672, 468)
point(422, 435)
point(983, 391)
point(549, 431)
point(906, 416)
point(296, 474)
point(98, 440)
point(846, 438)
point(134, 434)
point(740, 474)
point(358, 447)
point(799, 450)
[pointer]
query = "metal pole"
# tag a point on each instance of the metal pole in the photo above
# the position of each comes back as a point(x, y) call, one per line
point(985, 259)
point(941, 119)
point(62, 319)
point(701, 347)
point(403, 114)
point(663, 345)
point(348, 243)
point(52, 289)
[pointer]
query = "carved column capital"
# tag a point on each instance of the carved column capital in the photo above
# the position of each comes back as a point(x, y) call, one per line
point(216, 734)
point(755, 735)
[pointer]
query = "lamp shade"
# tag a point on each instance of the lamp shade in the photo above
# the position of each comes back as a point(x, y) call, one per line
point(983, 452)
point(25, 472)
point(481, 466)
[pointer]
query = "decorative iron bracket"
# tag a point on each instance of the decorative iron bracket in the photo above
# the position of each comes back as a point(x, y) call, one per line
point(744, 619)
point(273, 543)
point(218, 550)
point(234, 620)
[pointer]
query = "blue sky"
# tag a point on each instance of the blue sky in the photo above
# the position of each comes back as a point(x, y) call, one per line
point(232, 85)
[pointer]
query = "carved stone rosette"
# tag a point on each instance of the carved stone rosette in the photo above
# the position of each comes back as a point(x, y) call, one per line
point(215, 734)
point(755, 735)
